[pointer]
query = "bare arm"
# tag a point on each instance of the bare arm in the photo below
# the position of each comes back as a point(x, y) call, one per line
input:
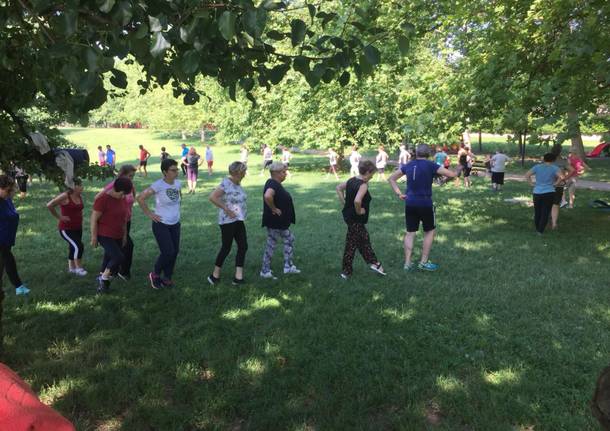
point(216, 198)
point(445, 172)
point(393, 182)
point(268, 198)
point(528, 177)
point(358, 199)
point(141, 198)
point(95, 216)
point(340, 189)
point(57, 200)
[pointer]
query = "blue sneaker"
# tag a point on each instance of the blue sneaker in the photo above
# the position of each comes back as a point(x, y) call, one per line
point(22, 290)
point(427, 266)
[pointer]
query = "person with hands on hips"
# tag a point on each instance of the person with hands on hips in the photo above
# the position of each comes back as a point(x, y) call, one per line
point(278, 215)
point(418, 203)
point(355, 197)
point(230, 198)
point(109, 229)
point(165, 222)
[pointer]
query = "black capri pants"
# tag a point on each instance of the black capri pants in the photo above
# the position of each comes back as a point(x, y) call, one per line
point(229, 232)
point(113, 253)
point(74, 239)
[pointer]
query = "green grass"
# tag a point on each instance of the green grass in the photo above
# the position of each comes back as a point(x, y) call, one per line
point(510, 333)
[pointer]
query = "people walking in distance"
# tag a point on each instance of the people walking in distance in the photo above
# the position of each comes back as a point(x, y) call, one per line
point(193, 161)
point(143, 157)
point(498, 166)
point(547, 176)
point(286, 157)
point(381, 162)
point(354, 161)
point(333, 158)
point(209, 158)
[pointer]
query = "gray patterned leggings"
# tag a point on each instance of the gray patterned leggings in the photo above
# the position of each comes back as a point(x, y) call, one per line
point(272, 236)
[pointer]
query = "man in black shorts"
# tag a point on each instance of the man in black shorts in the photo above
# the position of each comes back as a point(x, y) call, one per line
point(418, 203)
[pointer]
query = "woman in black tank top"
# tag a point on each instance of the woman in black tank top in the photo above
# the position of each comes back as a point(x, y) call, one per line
point(356, 199)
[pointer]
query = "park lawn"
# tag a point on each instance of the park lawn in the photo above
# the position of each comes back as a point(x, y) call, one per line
point(509, 334)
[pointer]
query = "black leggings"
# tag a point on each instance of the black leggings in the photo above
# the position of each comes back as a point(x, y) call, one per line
point(75, 244)
point(543, 203)
point(229, 232)
point(127, 252)
point(113, 253)
point(7, 262)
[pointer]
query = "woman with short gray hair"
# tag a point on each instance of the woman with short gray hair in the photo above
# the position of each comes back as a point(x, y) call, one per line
point(230, 198)
point(278, 215)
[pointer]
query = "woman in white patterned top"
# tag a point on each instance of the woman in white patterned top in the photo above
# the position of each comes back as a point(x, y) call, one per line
point(230, 198)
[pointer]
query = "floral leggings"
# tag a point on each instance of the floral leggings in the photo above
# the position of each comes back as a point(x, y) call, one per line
point(357, 239)
point(272, 237)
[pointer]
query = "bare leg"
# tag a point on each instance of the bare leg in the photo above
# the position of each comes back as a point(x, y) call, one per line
point(554, 216)
point(409, 240)
point(216, 272)
point(427, 245)
point(239, 272)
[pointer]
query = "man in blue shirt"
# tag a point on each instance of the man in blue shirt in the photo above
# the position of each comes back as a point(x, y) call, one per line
point(185, 152)
point(110, 156)
point(418, 203)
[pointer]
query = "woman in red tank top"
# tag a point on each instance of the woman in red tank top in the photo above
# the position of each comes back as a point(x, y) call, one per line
point(70, 224)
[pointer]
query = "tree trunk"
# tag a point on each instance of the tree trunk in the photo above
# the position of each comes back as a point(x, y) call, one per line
point(480, 142)
point(575, 135)
point(466, 138)
point(202, 134)
point(183, 135)
point(524, 136)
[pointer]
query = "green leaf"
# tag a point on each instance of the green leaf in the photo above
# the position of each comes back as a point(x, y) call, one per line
point(123, 13)
point(298, 28)
point(190, 62)
point(158, 45)
point(358, 25)
point(251, 98)
point(344, 78)
point(190, 97)
point(70, 22)
point(226, 25)
point(408, 28)
point(155, 24)
point(255, 21)
point(105, 5)
point(106, 63)
point(187, 32)
point(366, 68)
point(87, 83)
point(372, 54)
point(277, 73)
point(232, 90)
point(403, 45)
point(328, 75)
point(337, 42)
point(272, 5)
point(275, 35)
point(312, 11)
point(92, 58)
point(312, 80)
point(319, 70)
point(247, 84)
point(301, 64)
point(118, 79)
point(141, 31)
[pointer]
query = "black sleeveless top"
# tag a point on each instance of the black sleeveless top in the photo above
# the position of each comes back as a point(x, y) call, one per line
point(349, 211)
point(464, 160)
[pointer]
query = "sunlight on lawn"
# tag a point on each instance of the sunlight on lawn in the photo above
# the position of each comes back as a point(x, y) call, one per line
point(449, 384)
point(506, 376)
point(56, 391)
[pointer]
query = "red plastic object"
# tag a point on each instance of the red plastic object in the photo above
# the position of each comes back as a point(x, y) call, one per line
point(21, 410)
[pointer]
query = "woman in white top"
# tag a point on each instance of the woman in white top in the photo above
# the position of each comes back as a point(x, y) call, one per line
point(230, 198)
point(286, 157)
point(243, 155)
point(380, 163)
point(165, 222)
point(354, 161)
point(332, 160)
point(267, 157)
point(209, 158)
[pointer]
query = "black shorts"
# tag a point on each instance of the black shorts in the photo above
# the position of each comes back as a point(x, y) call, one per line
point(467, 171)
point(497, 177)
point(415, 215)
point(143, 162)
point(558, 197)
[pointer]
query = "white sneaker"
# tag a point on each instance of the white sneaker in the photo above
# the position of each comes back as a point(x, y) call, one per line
point(79, 271)
point(268, 274)
point(292, 270)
